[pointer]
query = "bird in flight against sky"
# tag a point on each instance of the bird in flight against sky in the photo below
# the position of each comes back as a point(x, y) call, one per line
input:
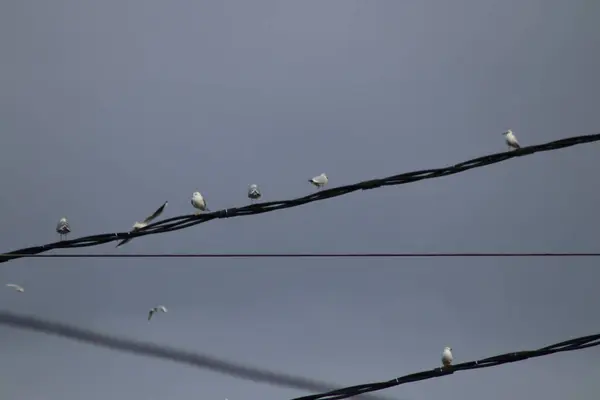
point(63, 228)
point(155, 310)
point(511, 140)
point(16, 287)
point(319, 181)
point(144, 223)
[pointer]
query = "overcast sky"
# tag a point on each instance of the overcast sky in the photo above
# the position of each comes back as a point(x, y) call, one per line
point(109, 108)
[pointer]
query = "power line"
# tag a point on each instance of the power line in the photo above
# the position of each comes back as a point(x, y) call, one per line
point(569, 345)
point(148, 349)
point(202, 361)
point(300, 255)
point(187, 221)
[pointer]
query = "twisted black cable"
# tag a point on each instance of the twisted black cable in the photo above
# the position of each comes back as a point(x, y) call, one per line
point(569, 345)
point(186, 221)
point(147, 349)
point(245, 372)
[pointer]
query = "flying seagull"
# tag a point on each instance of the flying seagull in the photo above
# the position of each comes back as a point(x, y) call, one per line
point(155, 310)
point(16, 287)
point(254, 192)
point(319, 181)
point(199, 203)
point(511, 140)
point(447, 357)
point(144, 223)
point(63, 228)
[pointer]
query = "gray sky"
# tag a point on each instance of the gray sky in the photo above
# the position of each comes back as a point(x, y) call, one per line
point(109, 108)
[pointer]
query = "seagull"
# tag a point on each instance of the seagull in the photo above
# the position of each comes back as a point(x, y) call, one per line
point(16, 287)
point(63, 228)
point(319, 181)
point(511, 140)
point(447, 356)
point(254, 192)
point(155, 310)
point(199, 202)
point(144, 223)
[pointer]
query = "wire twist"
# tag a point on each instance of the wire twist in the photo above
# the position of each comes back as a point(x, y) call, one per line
point(569, 345)
point(189, 220)
point(138, 347)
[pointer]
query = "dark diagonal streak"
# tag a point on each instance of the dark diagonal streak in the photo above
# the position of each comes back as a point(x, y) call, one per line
point(167, 353)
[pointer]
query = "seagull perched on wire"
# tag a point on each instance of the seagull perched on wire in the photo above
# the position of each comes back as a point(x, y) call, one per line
point(144, 223)
point(63, 228)
point(16, 287)
point(199, 203)
point(319, 181)
point(511, 140)
point(155, 310)
point(447, 357)
point(254, 192)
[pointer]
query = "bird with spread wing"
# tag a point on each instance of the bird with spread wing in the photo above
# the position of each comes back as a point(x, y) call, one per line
point(16, 287)
point(144, 223)
point(155, 310)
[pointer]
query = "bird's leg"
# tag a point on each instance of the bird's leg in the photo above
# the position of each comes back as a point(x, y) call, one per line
point(198, 212)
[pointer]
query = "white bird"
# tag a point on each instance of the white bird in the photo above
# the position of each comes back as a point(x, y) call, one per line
point(63, 228)
point(199, 202)
point(254, 192)
point(319, 181)
point(144, 223)
point(16, 287)
point(511, 140)
point(447, 357)
point(155, 310)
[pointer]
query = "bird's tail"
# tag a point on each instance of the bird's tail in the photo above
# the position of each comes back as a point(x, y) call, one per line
point(311, 181)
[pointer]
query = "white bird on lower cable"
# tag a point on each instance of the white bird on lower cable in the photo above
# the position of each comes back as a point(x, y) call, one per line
point(511, 140)
point(254, 192)
point(16, 287)
point(144, 223)
point(155, 310)
point(199, 203)
point(447, 356)
point(319, 181)
point(63, 228)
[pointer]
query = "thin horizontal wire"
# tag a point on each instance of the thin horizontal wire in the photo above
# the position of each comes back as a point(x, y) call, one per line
point(569, 345)
point(187, 221)
point(301, 255)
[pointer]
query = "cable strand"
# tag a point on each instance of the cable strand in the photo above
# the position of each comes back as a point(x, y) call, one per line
point(301, 255)
point(147, 349)
point(570, 345)
point(245, 372)
point(187, 221)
